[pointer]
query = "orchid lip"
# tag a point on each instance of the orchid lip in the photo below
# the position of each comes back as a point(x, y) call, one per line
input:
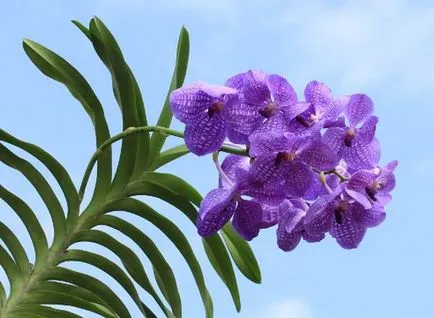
point(349, 137)
point(215, 108)
point(268, 110)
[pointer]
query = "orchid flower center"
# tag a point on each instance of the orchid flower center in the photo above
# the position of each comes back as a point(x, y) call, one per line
point(372, 190)
point(215, 108)
point(340, 207)
point(349, 137)
point(307, 121)
point(284, 156)
point(268, 110)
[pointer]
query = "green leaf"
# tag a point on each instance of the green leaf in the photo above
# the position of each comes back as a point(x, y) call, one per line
point(30, 310)
point(55, 67)
point(242, 254)
point(17, 251)
point(2, 295)
point(111, 269)
point(90, 283)
point(182, 54)
point(11, 269)
point(30, 221)
point(239, 249)
point(125, 92)
point(56, 169)
point(216, 251)
point(128, 258)
point(175, 235)
point(168, 156)
point(63, 288)
point(163, 271)
point(48, 297)
point(42, 187)
point(82, 28)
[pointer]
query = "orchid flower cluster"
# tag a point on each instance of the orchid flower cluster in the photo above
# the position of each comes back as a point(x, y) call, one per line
point(310, 167)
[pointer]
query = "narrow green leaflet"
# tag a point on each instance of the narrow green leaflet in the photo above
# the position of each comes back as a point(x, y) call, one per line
point(56, 169)
point(162, 269)
point(175, 235)
point(221, 261)
point(182, 54)
point(111, 269)
point(11, 269)
point(90, 283)
point(16, 249)
point(48, 297)
point(125, 92)
point(42, 187)
point(239, 249)
point(63, 288)
point(169, 155)
point(57, 68)
point(242, 254)
point(129, 259)
point(30, 221)
point(2, 295)
point(30, 310)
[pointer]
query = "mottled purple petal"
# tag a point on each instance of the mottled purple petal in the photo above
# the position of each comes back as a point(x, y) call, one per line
point(370, 218)
point(206, 135)
point(295, 109)
point(236, 81)
point(255, 89)
point(246, 219)
point(298, 177)
point(313, 238)
point(229, 166)
point(356, 187)
point(237, 137)
point(359, 108)
point(335, 108)
point(317, 188)
point(317, 93)
point(265, 169)
point(188, 102)
point(271, 214)
point(269, 142)
point(319, 156)
point(281, 90)
point(366, 133)
point(334, 138)
point(360, 156)
point(277, 122)
point(242, 116)
point(348, 233)
point(290, 229)
point(319, 216)
point(215, 211)
point(270, 193)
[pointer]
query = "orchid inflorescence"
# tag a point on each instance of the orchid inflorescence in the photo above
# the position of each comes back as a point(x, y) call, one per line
point(310, 167)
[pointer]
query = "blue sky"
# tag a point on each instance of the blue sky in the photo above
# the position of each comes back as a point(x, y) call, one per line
point(382, 48)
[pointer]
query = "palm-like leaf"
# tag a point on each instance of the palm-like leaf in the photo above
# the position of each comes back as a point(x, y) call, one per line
point(34, 288)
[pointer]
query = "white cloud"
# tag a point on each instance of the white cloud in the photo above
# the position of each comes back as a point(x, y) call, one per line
point(288, 308)
point(363, 42)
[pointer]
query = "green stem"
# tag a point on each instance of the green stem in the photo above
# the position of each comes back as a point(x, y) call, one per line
point(136, 130)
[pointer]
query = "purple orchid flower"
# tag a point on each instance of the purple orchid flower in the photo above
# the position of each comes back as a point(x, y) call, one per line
point(263, 99)
point(356, 145)
point(323, 109)
point(345, 219)
point(372, 186)
point(289, 158)
point(200, 106)
point(291, 230)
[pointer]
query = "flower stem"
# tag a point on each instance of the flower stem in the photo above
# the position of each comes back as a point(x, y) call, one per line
point(136, 130)
point(215, 158)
